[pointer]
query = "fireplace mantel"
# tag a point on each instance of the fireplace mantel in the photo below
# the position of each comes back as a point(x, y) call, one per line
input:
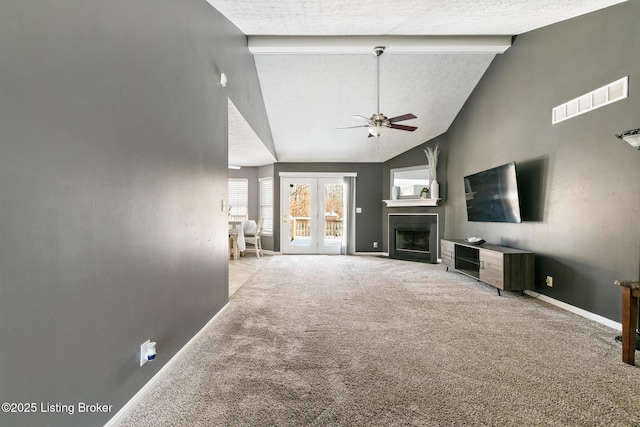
point(399, 203)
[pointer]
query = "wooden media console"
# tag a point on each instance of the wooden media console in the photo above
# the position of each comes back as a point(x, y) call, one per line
point(505, 268)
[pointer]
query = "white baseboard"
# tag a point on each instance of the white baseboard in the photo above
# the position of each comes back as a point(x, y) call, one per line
point(270, 252)
point(372, 253)
point(576, 310)
point(133, 402)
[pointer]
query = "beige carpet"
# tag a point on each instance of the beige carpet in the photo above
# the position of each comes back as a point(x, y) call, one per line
point(366, 341)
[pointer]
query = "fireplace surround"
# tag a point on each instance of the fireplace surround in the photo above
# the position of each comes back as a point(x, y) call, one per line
point(413, 237)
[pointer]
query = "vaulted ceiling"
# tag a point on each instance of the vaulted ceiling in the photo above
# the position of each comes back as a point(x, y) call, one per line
point(316, 68)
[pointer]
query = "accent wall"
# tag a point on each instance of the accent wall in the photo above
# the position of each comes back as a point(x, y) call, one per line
point(113, 169)
point(580, 186)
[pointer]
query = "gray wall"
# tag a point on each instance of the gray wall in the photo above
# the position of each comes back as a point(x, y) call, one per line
point(368, 197)
point(113, 166)
point(580, 185)
point(417, 157)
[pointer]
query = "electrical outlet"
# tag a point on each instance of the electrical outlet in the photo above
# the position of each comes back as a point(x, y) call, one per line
point(375, 245)
point(550, 281)
point(144, 352)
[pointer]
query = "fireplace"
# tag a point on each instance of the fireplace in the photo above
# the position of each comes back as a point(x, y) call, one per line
point(413, 237)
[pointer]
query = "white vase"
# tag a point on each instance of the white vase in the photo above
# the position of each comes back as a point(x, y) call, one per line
point(435, 189)
point(395, 194)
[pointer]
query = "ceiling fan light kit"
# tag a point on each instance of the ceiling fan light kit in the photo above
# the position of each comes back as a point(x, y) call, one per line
point(631, 136)
point(378, 122)
point(376, 130)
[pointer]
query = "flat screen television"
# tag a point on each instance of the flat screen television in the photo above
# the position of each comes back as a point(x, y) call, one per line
point(492, 195)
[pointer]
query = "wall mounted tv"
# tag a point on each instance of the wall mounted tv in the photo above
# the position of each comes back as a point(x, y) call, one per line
point(492, 195)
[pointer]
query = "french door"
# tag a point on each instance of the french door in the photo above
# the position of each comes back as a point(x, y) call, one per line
point(312, 215)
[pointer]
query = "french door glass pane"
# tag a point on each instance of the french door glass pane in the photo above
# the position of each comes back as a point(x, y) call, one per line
point(333, 214)
point(300, 214)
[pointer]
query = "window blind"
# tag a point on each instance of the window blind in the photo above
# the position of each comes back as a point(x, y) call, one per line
point(239, 196)
point(266, 204)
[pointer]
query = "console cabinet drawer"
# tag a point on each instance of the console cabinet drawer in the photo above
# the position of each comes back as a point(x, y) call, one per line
point(448, 250)
point(492, 268)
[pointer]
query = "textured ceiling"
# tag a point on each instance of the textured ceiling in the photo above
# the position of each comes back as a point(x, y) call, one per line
point(308, 96)
point(303, 121)
point(245, 148)
point(375, 17)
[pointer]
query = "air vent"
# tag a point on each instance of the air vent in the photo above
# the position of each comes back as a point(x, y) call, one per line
point(598, 98)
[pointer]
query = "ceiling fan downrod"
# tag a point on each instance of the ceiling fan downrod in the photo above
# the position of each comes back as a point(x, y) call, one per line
point(378, 121)
point(378, 50)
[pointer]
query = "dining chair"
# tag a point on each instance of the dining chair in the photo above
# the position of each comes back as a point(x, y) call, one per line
point(252, 236)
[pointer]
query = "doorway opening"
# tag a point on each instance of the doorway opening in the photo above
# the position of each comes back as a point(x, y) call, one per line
point(314, 215)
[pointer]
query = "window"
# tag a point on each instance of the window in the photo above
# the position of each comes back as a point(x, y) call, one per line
point(239, 196)
point(266, 204)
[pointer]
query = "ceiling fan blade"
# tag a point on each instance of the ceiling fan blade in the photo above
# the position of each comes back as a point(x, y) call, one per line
point(352, 127)
point(402, 118)
point(357, 116)
point(403, 127)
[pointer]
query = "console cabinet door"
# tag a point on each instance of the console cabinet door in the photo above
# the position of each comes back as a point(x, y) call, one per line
point(492, 268)
point(448, 253)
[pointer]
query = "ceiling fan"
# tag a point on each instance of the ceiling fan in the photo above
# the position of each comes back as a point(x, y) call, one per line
point(378, 122)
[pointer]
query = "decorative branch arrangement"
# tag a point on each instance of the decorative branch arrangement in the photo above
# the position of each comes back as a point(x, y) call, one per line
point(432, 159)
